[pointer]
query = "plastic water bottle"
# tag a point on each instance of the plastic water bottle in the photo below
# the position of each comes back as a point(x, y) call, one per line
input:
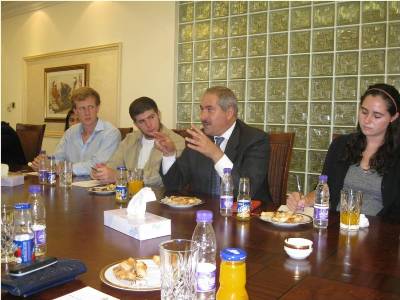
point(23, 234)
point(204, 236)
point(121, 189)
point(42, 167)
point(51, 171)
point(226, 195)
point(321, 204)
point(38, 220)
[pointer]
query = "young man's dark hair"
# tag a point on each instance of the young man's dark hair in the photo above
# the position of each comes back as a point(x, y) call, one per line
point(140, 105)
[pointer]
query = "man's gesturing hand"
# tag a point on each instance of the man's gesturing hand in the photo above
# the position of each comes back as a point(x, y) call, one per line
point(201, 143)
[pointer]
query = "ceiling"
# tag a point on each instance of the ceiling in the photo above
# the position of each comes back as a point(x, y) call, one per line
point(13, 8)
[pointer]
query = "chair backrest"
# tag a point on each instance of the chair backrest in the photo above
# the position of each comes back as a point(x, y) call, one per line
point(31, 137)
point(125, 131)
point(281, 144)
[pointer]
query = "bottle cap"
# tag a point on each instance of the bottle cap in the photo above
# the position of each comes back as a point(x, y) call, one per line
point(227, 170)
point(233, 254)
point(204, 216)
point(34, 189)
point(323, 178)
point(51, 157)
point(22, 206)
point(121, 168)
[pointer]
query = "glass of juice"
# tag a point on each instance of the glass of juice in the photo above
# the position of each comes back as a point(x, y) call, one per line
point(350, 208)
point(135, 181)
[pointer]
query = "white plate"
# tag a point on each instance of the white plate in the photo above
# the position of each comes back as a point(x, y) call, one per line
point(306, 220)
point(152, 281)
point(100, 190)
point(165, 201)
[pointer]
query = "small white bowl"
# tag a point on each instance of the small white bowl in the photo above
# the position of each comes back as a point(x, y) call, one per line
point(298, 248)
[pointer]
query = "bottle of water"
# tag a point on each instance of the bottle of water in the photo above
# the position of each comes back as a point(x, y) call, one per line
point(204, 236)
point(42, 167)
point(321, 204)
point(51, 171)
point(38, 220)
point(121, 190)
point(226, 195)
point(23, 234)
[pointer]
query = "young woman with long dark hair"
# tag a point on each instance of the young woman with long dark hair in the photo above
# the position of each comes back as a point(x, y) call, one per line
point(369, 159)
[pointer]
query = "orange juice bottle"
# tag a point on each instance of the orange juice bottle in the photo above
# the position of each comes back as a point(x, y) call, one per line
point(232, 276)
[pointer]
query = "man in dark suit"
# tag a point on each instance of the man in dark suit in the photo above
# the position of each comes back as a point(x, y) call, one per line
point(244, 149)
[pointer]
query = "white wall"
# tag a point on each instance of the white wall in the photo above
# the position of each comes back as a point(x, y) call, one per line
point(145, 29)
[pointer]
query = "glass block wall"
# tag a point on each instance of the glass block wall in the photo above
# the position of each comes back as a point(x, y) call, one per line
point(295, 66)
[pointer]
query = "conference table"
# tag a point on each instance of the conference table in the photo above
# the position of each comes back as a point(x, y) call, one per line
point(358, 265)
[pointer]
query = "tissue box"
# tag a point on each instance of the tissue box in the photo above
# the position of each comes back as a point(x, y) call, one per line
point(12, 180)
point(149, 227)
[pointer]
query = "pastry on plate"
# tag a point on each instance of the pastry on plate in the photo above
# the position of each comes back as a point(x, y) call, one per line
point(282, 216)
point(181, 200)
point(130, 269)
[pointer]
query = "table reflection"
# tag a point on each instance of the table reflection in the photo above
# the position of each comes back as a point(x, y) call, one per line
point(298, 268)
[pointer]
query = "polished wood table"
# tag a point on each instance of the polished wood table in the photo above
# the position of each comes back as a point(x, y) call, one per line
point(362, 265)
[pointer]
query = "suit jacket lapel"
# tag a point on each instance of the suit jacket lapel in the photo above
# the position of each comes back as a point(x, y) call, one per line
point(233, 142)
point(155, 155)
point(205, 161)
point(135, 149)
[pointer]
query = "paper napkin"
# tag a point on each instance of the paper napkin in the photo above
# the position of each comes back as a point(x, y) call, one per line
point(137, 205)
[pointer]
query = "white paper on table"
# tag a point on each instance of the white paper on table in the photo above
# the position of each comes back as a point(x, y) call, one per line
point(308, 210)
point(30, 173)
point(86, 293)
point(363, 221)
point(4, 170)
point(87, 183)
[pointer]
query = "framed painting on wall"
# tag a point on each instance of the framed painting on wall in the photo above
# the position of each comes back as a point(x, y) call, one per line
point(59, 83)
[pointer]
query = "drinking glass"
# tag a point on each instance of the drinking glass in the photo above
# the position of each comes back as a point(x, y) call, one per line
point(135, 181)
point(178, 269)
point(65, 169)
point(350, 208)
point(7, 233)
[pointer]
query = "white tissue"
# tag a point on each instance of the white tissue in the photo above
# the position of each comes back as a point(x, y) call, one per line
point(4, 170)
point(137, 205)
point(363, 221)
